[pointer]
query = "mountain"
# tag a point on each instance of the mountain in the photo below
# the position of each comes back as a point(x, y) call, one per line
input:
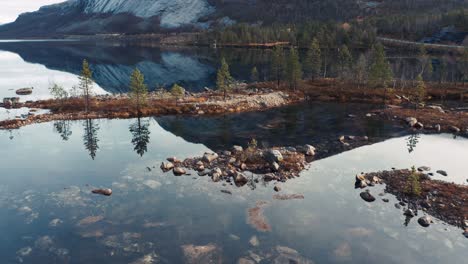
point(90, 17)
point(82, 17)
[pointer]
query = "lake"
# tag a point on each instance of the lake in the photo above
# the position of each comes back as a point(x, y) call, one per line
point(49, 215)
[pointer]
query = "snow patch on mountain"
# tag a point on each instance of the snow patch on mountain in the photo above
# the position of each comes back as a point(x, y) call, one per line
point(173, 13)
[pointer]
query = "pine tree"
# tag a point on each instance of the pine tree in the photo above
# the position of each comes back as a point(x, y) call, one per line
point(224, 78)
point(177, 91)
point(278, 65)
point(138, 89)
point(294, 69)
point(380, 73)
point(86, 83)
point(344, 61)
point(421, 92)
point(313, 61)
point(254, 75)
point(360, 70)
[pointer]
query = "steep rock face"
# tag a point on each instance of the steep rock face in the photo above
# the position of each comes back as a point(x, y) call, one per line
point(172, 13)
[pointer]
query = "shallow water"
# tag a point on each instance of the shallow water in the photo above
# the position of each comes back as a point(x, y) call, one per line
point(152, 214)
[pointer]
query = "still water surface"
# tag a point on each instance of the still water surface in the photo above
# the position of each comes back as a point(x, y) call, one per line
point(48, 171)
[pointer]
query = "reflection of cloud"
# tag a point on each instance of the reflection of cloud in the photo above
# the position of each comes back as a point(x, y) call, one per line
point(16, 73)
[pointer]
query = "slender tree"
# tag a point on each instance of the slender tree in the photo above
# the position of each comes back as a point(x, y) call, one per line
point(313, 61)
point(224, 78)
point(254, 75)
point(278, 65)
point(177, 91)
point(59, 93)
point(294, 69)
point(138, 90)
point(86, 83)
point(345, 60)
point(421, 92)
point(380, 73)
point(360, 70)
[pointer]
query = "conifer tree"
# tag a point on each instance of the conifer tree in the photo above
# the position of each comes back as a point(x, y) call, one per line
point(294, 69)
point(313, 61)
point(138, 89)
point(278, 65)
point(86, 83)
point(360, 70)
point(224, 78)
point(344, 61)
point(380, 73)
point(177, 91)
point(254, 75)
point(421, 92)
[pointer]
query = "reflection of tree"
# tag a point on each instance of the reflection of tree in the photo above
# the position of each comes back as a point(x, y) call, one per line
point(90, 137)
point(141, 136)
point(412, 141)
point(63, 128)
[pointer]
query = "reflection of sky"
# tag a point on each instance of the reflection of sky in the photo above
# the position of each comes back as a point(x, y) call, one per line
point(330, 225)
point(15, 73)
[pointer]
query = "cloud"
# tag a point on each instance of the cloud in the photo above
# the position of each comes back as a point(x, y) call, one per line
point(11, 9)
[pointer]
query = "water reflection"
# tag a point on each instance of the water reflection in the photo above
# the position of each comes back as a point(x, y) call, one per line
point(412, 141)
point(63, 128)
point(140, 135)
point(90, 137)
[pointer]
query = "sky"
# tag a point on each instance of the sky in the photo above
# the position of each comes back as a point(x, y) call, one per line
point(10, 9)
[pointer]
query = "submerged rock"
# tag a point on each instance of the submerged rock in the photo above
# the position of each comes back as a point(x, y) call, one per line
point(254, 241)
point(366, 196)
point(178, 171)
point(240, 179)
point(207, 254)
point(425, 221)
point(55, 222)
point(105, 192)
point(409, 213)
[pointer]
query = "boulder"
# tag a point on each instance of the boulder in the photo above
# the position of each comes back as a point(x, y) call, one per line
point(361, 181)
point(454, 129)
point(411, 121)
point(178, 171)
point(442, 172)
point(173, 160)
point(240, 179)
point(424, 168)
point(437, 128)
point(419, 125)
point(273, 155)
point(366, 196)
point(24, 91)
point(275, 166)
point(308, 150)
point(105, 192)
point(277, 188)
point(210, 157)
point(425, 221)
point(410, 213)
point(167, 166)
point(237, 149)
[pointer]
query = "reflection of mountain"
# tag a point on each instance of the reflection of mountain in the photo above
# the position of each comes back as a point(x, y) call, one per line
point(319, 124)
point(112, 65)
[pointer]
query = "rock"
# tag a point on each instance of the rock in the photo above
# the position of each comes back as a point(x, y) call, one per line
point(419, 125)
point(55, 222)
point(454, 129)
point(275, 166)
point(425, 221)
point(203, 173)
point(178, 171)
point(240, 179)
point(210, 157)
point(397, 206)
point(106, 192)
point(234, 237)
point(436, 107)
point(173, 160)
point(411, 121)
point(442, 172)
point(376, 180)
point(277, 188)
point(273, 155)
point(254, 241)
point(466, 233)
point(437, 128)
point(209, 254)
point(351, 137)
point(385, 200)
point(167, 166)
point(366, 196)
point(216, 177)
point(424, 168)
point(341, 138)
point(243, 167)
point(232, 160)
point(269, 177)
point(24, 91)
point(226, 191)
point(308, 150)
point(409, 213)
point(361, 181)
point(237, 149)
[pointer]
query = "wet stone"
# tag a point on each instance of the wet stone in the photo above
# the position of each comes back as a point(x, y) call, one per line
point(366, 196)
point(425, 221)
point(442, 172)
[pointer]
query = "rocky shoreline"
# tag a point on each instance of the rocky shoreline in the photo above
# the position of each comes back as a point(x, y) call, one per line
point(272, 164)
point(442, 200)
